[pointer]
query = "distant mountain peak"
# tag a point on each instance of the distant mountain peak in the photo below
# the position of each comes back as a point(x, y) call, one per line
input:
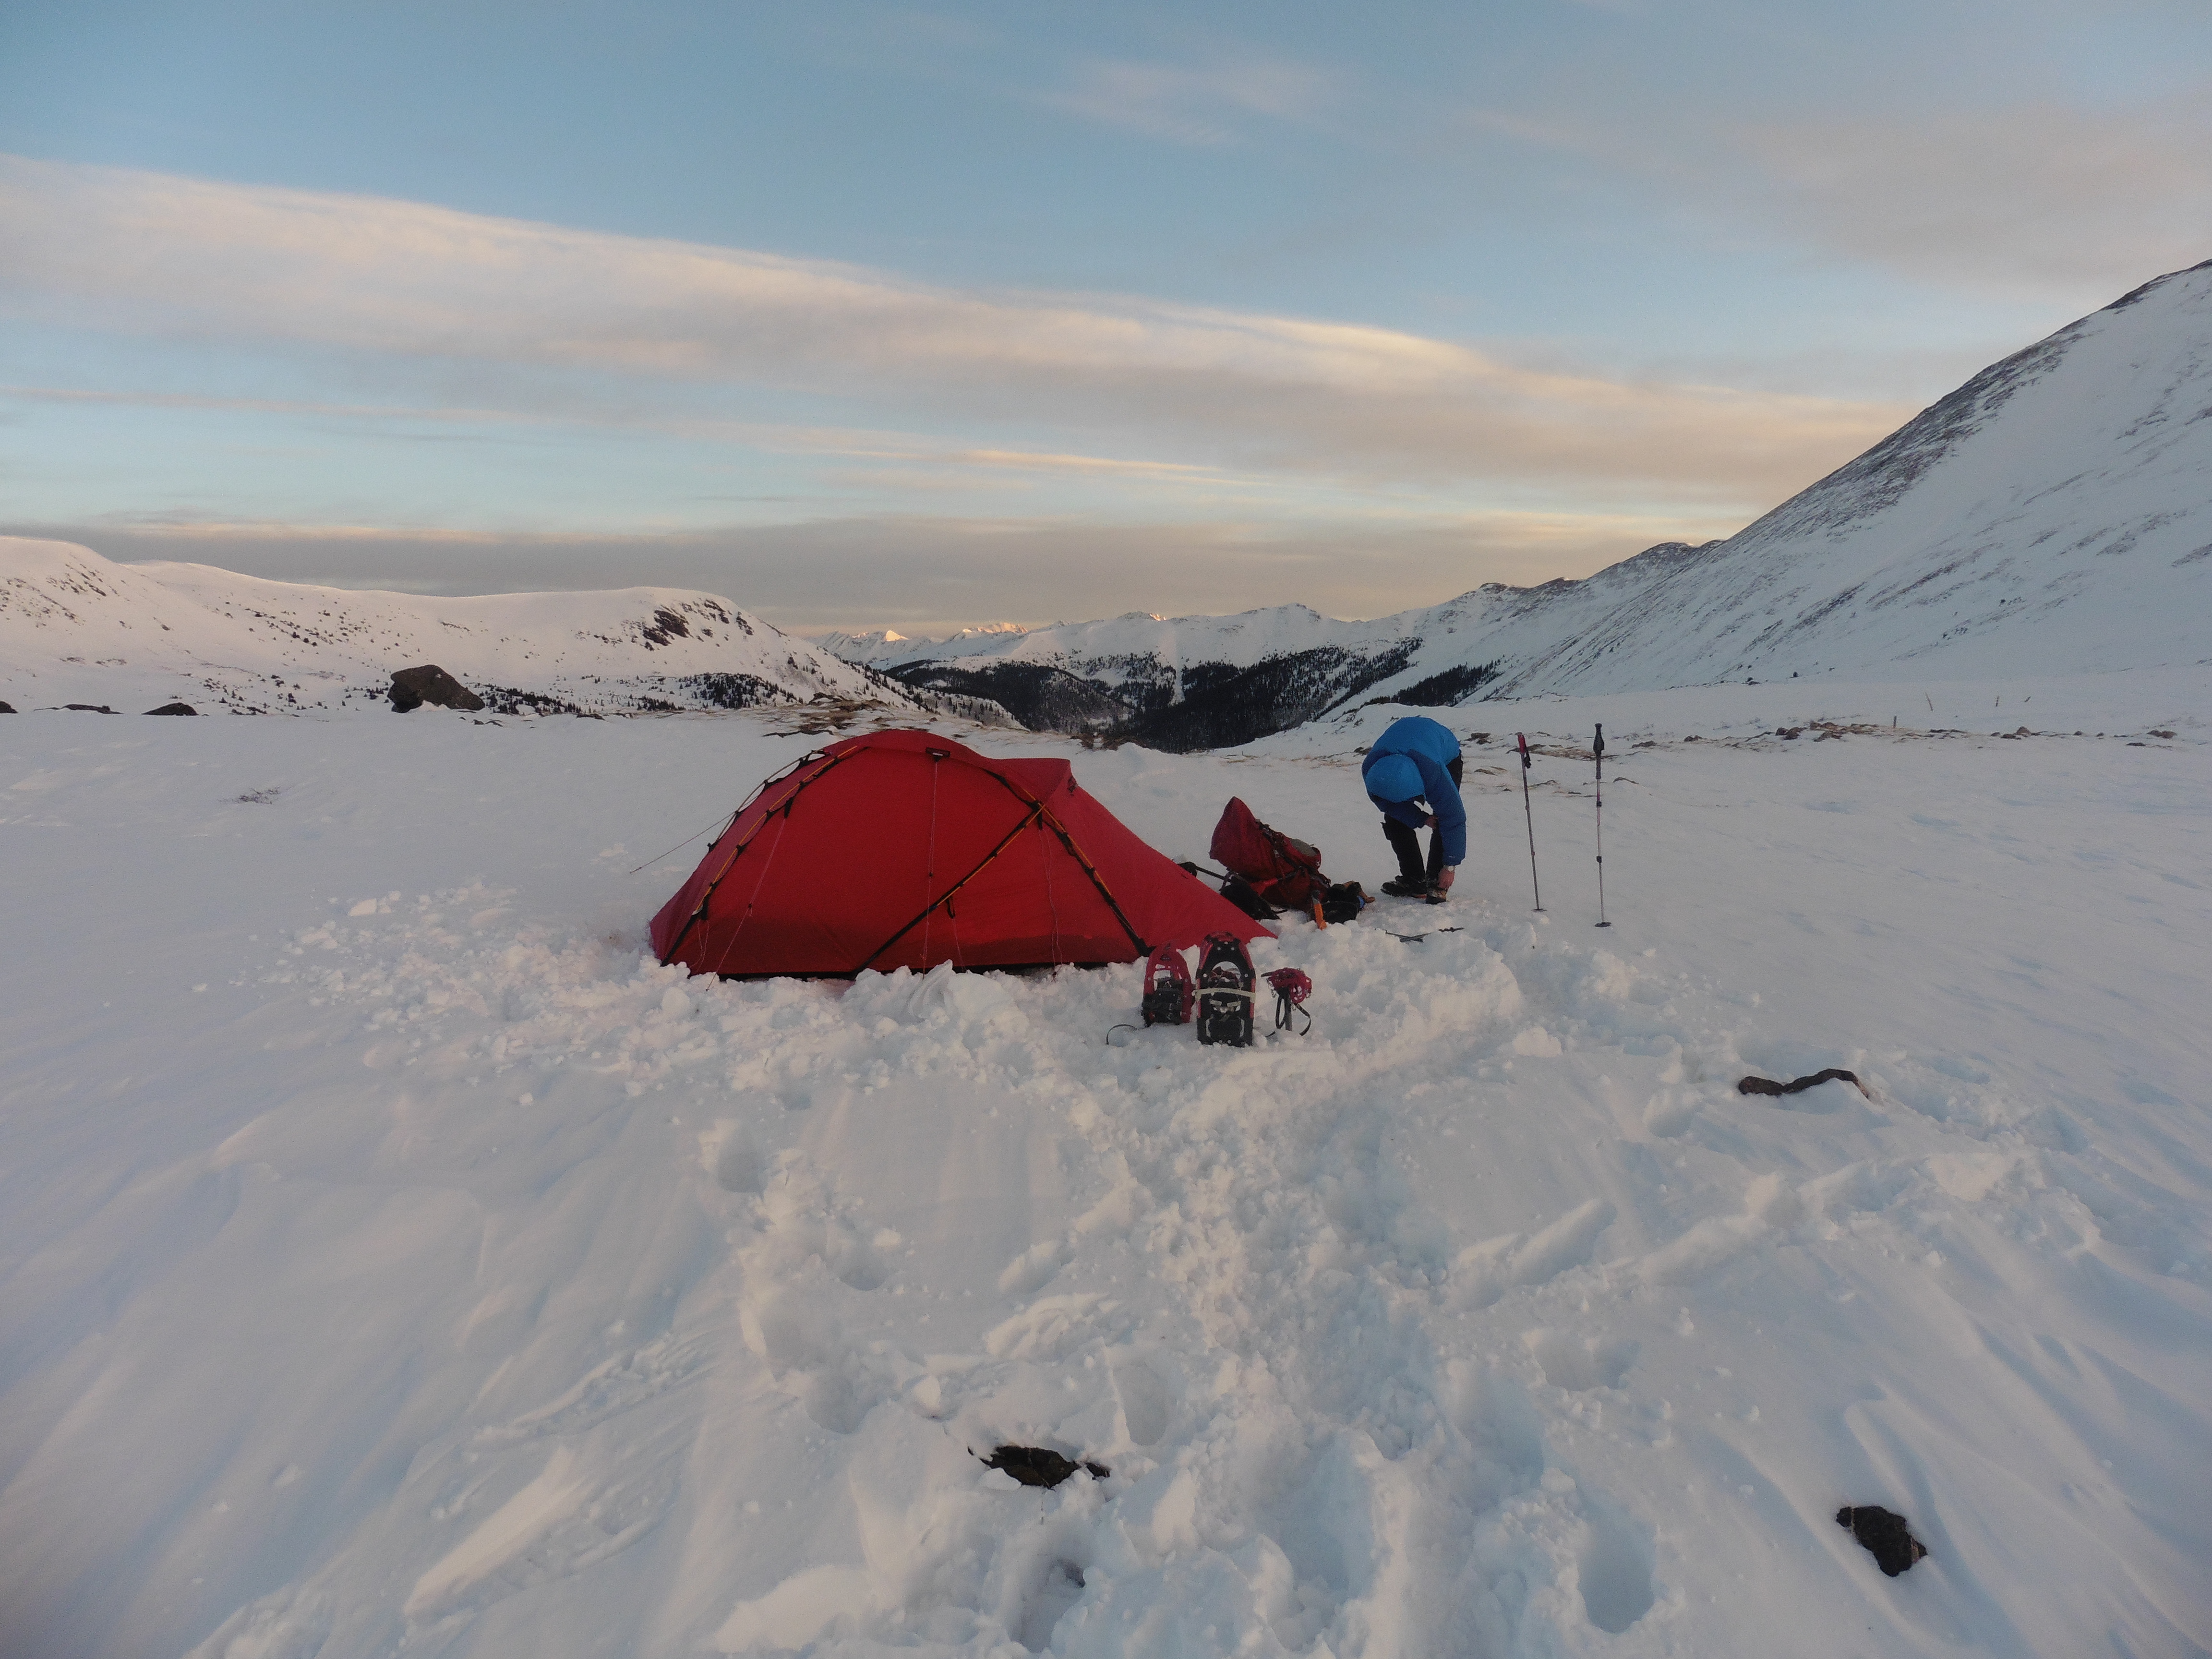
point(2053, 514)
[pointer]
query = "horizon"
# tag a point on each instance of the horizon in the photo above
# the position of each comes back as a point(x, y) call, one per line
point(871, 318)
point(814, 634)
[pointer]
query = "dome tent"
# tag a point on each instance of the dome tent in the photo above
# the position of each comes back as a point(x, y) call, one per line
point(904, 849)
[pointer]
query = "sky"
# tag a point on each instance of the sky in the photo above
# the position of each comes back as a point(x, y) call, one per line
point(873, 316)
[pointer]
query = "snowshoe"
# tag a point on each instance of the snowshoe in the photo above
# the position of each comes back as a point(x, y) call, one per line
point(1168, 988)
point(1225, 984)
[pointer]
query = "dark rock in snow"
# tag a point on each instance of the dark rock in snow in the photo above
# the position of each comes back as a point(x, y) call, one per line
point(174, 708)
point(1764, 1085)
point(413, 687)
point(1886, 1535)
point(6, 707)
point(1034, 1465)
point(90, 707)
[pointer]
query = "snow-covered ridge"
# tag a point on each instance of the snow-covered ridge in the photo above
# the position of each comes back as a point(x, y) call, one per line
point(77, 628)
point(2054, 515)
point(883, 644)
point(887, 645)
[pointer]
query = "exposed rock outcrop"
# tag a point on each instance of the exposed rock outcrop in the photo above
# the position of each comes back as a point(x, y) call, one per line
point(413, 687)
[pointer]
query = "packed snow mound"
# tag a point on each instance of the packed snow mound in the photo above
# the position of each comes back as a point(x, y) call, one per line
point(2052, 515)
point(77, 628)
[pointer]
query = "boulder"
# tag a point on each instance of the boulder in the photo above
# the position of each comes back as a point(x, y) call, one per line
point(90, 707)
point(6, 707)
point(174, 708)
point(413, 687)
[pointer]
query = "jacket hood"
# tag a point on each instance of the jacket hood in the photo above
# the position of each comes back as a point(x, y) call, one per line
point(1394, 777)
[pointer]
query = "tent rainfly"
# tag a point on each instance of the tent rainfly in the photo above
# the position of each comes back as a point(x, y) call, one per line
point(904, 849)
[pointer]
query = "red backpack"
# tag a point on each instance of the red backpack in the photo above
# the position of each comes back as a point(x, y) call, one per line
point(1281, 868)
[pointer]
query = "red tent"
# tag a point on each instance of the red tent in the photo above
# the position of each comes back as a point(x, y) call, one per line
point(903, 849)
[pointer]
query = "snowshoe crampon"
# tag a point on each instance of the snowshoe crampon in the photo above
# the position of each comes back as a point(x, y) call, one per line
point(1292, 988)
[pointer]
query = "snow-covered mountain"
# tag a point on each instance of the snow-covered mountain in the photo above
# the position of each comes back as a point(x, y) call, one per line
point(884, 644)
point(2054, 515)
point(77, 628)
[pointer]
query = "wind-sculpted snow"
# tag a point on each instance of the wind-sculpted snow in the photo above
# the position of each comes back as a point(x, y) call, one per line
point(396, 1260)
point(75, 628)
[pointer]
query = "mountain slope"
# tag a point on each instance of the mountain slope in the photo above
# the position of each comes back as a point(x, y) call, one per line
point(76, 627)
point(1177, 684)
point(2054, 515)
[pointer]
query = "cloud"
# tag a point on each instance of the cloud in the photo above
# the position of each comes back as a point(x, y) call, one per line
point(1190, 106)
point(403, 282)
point(931, 574)
point(848, 443)
point(2038, 196)
point(2033, 199)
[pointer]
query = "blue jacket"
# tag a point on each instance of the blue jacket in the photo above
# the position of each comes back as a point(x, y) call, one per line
point(1430, 747)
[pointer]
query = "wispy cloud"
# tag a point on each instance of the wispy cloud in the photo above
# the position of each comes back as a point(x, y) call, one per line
point(850, 443)
point(403, 281)
point(2034, 195)
point(1191, 105)
point(2044, 199)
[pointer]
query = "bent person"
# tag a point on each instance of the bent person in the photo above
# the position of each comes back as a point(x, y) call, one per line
point(1413, 774)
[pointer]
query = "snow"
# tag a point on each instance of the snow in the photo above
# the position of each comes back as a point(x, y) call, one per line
point(393, 1257)
point(77, 628)
point(1110, 650)
point(2051, 512)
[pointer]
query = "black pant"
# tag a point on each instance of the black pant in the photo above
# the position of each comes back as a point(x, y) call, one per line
point(1405, 842)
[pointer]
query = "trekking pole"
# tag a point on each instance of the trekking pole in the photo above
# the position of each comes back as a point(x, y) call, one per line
point(1597, 753)
point(1529, 813)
